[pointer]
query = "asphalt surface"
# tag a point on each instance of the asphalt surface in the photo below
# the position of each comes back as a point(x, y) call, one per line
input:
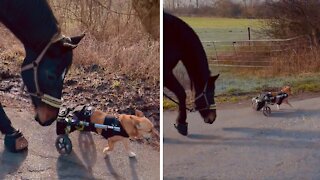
point(244, 144)
point(87, 161)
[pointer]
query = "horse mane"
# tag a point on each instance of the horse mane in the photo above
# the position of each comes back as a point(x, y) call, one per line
point(40, 27)
point(194, 57)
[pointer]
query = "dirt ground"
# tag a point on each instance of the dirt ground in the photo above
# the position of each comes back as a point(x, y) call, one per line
point(113, 93)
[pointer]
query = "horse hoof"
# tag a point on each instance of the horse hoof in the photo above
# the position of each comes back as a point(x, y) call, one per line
point(209, 122)
point(10, 141)
point(182, 128)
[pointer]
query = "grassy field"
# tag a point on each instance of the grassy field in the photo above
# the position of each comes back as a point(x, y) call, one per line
point(234, 85)
point(232, 88)
point(223, 29)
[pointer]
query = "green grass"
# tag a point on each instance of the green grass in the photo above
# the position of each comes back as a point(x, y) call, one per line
point(306, 86)
point(231, 88)
point(223, 29)
point(221, 23)
point(167, 104)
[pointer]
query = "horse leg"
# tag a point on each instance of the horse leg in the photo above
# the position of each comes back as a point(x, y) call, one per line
point(173, 85)
point(14, 140)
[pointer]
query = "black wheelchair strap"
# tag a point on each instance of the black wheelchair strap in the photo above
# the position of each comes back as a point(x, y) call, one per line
point(113, 121)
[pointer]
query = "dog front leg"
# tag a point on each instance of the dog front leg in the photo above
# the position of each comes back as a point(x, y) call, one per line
point(127, 147)
point(109, 148)
point(287, 102)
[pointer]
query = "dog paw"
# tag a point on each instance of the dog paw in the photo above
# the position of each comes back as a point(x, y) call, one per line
point(132, 154)
point(106, 151)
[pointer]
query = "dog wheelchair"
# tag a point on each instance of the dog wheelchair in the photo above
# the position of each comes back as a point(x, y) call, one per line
point(265, 99)
point(72, 119)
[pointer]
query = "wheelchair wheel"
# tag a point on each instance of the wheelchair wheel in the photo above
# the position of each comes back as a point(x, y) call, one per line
point(266, 111)
point(63, 144)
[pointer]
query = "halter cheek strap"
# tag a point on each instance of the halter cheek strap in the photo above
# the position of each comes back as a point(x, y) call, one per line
point(208, 105)
point(50, 100)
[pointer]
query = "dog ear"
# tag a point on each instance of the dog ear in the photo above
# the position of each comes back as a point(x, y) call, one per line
point(138, 126)
point(139, 113)
point(136, 122)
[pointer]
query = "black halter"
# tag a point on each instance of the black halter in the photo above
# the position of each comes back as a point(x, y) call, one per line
point(50, 100)
point(195, 108)
point(208, 105)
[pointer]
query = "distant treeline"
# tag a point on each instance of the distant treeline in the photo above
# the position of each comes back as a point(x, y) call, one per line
point(283, 18)
point(221, 8)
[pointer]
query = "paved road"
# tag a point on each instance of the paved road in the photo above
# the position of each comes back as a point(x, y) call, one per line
point(243, 144)
point(42, 161)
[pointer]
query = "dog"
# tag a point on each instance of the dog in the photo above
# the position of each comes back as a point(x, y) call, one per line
point(282, 96)
point(132, 127)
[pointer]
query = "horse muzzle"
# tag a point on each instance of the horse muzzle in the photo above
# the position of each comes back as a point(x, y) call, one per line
point(211, 117)
point(46, 114)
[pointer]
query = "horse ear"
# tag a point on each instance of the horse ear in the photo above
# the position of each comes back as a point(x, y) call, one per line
point(214, 78)
point(69, 46)
point(76, 39)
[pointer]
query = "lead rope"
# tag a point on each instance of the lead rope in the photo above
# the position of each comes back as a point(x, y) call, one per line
point(212, 106)
point(167, 96)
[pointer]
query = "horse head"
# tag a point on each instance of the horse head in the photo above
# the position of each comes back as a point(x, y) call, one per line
point(204, 101)
point(43, 73)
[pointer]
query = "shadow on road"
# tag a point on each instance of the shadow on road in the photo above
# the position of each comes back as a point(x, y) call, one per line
point(10, 162)
point(133, 162)
point(202, 136)
point(88, 149)
point(259, 137)
point(70, 166)
point(291, 113)
point(112, 171)
point(276, 133)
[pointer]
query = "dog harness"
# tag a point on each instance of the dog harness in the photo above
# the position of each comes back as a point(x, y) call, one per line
point(268, 98)
point(84, 114)
point(112, 121)
point(280, 97)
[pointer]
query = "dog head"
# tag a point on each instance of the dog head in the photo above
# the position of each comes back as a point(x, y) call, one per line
point(286, 89)
point(143, 126)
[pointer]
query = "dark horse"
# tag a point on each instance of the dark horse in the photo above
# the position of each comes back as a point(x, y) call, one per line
point(182, 44)
point(48, 58)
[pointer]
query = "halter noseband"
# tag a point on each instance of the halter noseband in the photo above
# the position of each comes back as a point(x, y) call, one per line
point(208, 105)
point(50, 100)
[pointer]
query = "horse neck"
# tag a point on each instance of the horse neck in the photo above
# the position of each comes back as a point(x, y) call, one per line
point(32, 22)
point(196, 63)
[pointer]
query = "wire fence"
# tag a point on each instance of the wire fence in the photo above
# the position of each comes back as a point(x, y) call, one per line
point(252, 53)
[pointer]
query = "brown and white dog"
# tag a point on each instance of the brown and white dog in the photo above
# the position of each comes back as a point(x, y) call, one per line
point(287, 90)
point(135, 127)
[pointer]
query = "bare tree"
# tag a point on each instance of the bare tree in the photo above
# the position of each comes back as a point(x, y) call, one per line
point(294, 17)
point(149, 13)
